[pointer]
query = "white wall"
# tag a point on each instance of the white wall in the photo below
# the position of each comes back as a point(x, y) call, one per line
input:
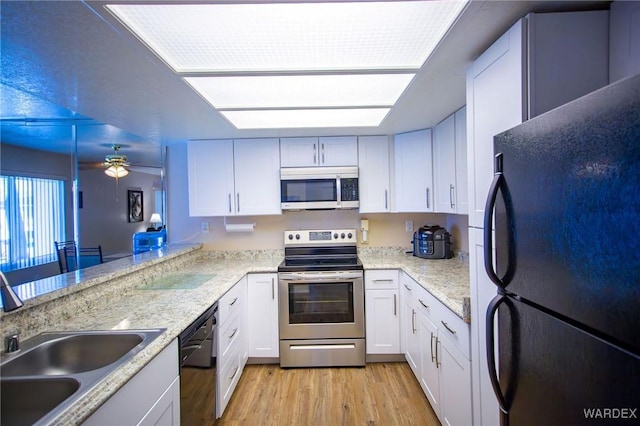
point(385, 230)
point(103, 217)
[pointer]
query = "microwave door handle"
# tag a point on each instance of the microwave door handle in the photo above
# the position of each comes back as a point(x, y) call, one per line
point(338, 190)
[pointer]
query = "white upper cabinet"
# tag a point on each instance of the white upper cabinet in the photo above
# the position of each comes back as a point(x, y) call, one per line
point(257, 176)
point(239, 177)
point(210, 170)
point(323, 151)
point(413, 172)
point(450, 164)
point(374, 174)
point(567, 57)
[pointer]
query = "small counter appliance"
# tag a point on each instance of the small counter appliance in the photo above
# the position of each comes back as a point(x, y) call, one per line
point(432, 242)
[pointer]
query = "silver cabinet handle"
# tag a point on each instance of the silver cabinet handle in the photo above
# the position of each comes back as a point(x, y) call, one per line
point(233, 302)
point(451, 187)
point(238, 202)
point(433, 357)
point(314, 153)
point(322, 153)
point(413, 321)
point(422, 303)
point(385, 280)
point(229, 202)
point(273, 289)
point(448, 328)
point(438, 363)
point(386, 199)
point(395, 306)
point(235, 370)
point(407, 287)
point(235, 330)
point(427, 193)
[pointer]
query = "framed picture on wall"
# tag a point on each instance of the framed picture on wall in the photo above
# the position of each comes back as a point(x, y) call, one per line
point(135, 213)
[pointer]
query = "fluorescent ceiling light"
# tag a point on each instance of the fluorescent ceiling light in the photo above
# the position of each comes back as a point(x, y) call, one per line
point(291, 36)
point(257, 59)
point(301, 90)
point(299, 118)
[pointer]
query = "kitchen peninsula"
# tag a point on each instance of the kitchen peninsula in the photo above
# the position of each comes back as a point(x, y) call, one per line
point(148, 291)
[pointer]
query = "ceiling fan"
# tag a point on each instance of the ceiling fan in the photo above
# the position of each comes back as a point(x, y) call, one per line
point(115, 163)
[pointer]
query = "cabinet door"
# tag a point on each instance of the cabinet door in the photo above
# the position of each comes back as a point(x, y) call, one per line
point(429, 363)
point(374, 173)
point(263, 315)
point(210, 170)
point(461, 187)
point(166, 410)
point(486, 410)
point(455, 385)
point(338, 151)
point(257, 176)
point(495, 103)
point(299, 152)
point(383, 321)
point(444, 156)
point(413, 172)
point(410, 344)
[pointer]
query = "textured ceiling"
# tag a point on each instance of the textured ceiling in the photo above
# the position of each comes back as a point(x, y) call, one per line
point(70, 62)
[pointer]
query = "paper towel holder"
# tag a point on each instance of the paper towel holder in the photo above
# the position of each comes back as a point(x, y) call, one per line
point(238, 227)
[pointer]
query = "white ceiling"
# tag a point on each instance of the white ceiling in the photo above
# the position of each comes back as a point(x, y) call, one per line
point(71, 60)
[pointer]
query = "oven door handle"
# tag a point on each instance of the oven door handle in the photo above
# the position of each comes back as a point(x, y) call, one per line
point(320, 276)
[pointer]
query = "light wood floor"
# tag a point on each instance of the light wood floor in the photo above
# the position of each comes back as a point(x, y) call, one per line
point(378, 394)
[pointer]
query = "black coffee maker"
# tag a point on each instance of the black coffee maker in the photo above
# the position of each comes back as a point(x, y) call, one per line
point(432, 242)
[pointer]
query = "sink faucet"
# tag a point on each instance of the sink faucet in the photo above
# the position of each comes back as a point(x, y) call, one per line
point(10, 299)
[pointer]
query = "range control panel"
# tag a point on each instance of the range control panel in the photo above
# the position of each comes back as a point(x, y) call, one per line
point(311, 237)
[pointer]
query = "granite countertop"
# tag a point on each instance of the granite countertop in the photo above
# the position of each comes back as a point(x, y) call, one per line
point(172, 294)
point(446, 279)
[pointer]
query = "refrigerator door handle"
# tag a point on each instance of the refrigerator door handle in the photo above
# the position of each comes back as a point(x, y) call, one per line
point(496, 185)
point(491, 358)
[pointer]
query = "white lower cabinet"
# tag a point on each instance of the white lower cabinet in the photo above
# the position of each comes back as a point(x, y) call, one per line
point(436, 344)
point(382, 311)
point(262, 292)
point(233, 347)
point(151, 397)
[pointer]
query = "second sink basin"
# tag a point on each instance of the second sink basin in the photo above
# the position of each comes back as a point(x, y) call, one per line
point(25, 401)
point(72, 354)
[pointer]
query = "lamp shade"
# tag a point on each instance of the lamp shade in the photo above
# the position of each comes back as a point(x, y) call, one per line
point(116, 171)
point(155, 218)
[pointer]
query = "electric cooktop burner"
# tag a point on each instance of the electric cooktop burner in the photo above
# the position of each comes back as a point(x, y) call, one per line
point(320, 250)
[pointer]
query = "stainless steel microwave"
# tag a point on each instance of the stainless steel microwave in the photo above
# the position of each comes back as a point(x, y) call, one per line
point(309, 188)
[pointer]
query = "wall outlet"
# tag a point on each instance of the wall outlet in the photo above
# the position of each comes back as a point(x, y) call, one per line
point(408, 225)
point(204, 227)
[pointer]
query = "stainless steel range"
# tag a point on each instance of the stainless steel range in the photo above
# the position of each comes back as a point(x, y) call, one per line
point(321, 300)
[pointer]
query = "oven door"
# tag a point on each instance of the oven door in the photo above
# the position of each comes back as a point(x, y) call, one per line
point(321, 305)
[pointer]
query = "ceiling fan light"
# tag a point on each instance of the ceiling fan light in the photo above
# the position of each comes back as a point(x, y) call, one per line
point(116, 172)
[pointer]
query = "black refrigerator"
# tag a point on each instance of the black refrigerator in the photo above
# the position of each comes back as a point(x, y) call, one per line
point(565, 202)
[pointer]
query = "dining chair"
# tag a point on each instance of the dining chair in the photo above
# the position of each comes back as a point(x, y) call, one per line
point(61, 250)
point(83, 257)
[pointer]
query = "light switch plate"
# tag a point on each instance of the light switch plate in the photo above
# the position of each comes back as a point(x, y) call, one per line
point(204, 227)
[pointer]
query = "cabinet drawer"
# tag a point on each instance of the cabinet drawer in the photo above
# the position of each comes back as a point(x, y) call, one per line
point(454, 329)
point(228, 377)
point(381, 279)
point(230, 303)
point(228, 335)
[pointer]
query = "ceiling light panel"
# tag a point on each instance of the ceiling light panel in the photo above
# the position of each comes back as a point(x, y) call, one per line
point(291, 36)
point(300, 118)
point(301, 90)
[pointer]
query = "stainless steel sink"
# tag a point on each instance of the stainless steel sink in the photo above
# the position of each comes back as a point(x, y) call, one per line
point(53, 370)
point(25, 401)
point(72, 354)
